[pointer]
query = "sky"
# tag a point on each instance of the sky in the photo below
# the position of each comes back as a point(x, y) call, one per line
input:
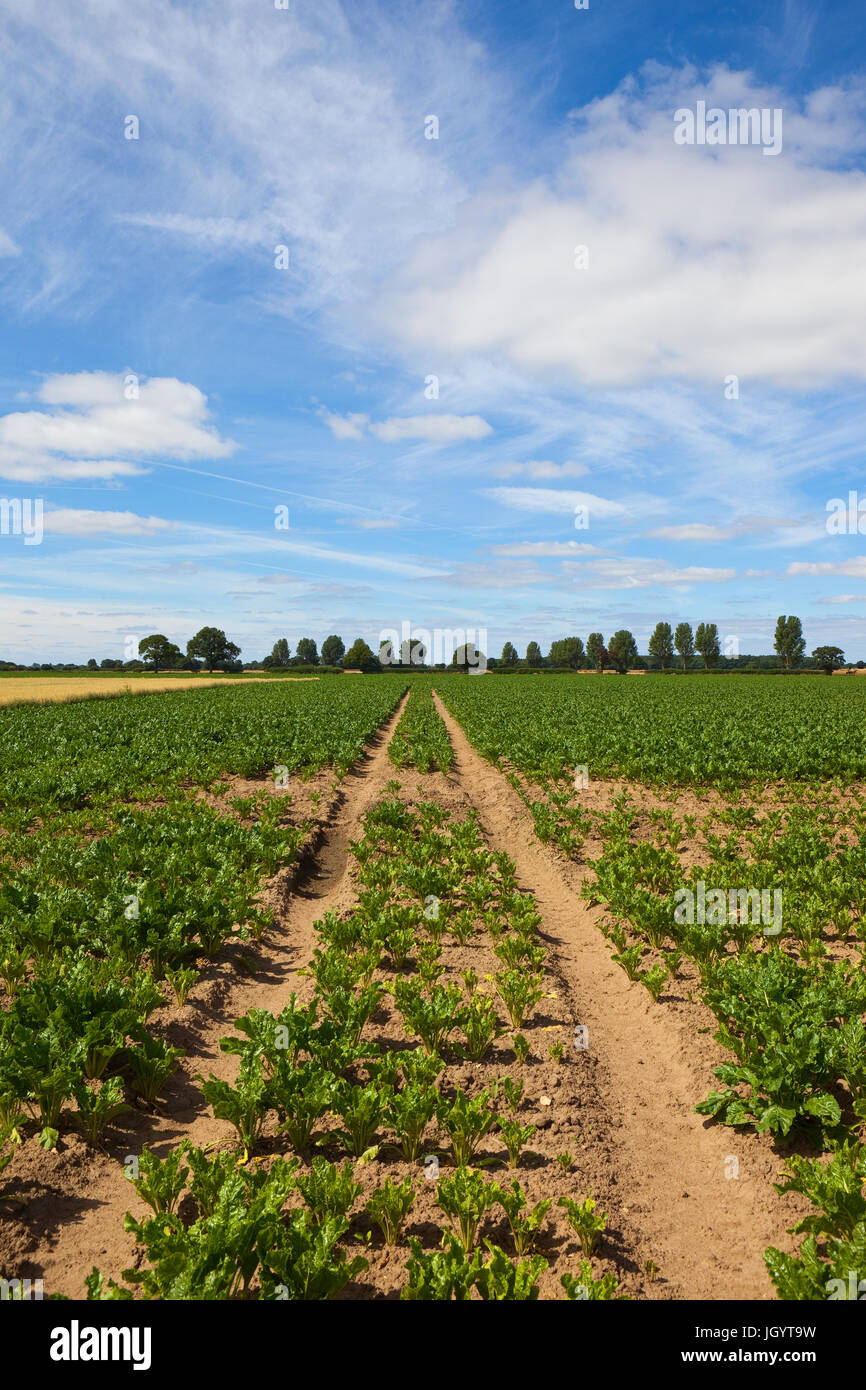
point(329, 318)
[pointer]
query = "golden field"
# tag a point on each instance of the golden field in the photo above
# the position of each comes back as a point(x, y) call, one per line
point(16, 690)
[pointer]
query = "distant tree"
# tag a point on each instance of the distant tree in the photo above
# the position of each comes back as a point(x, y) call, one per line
point(468, 657)
point(187, 663)
point(533, 654)
point(830, 658)
point(661, 644)
point(308, 653)
point(684, 641)
point(509, 655)
point(333, 651)
point(93, 664)
point(388, 654)
point(360, 657)
point(567, 651)
point(597, 651)
point(133, 665)
point(110, 663)
point(157, 650)
point(212, 646)
point(622, 649)
point(280, 652)
point(790, 643)
point(707, 643)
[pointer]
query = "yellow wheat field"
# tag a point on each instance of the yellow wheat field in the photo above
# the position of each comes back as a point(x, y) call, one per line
point(16, 690)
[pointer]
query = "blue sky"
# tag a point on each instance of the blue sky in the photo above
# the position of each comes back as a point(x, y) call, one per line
point(166, 380)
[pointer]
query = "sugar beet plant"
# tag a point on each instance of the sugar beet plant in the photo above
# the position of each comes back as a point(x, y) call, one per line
point(315, 1082)
point(421, 739)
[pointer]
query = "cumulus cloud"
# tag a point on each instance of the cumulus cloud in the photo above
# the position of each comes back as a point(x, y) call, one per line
point(768, 252)
point(71, 522)
point(854, 569)
point(97, 418)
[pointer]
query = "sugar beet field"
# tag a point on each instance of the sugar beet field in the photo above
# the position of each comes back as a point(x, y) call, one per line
point(436, 988)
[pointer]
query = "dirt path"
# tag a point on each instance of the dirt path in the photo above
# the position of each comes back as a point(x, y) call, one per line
point(70, 1204)
point(705, 1228)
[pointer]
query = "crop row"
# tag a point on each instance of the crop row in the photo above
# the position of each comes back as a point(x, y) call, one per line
point(421, 739)
point(92, 924)
point(787, 988)
point(318, 1082)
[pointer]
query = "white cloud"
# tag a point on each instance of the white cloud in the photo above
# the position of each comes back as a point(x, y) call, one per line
point(439, 429)
point(743, 526)
point(7, 245)
point(70, 522)
point(854, 569)
point(546, 549)
point(844, 598)
point(541, 469)
point(40, 468)
point(345, 426)
point(92, 419)
point(626, 572)
point(767, 251)
point(545, 499)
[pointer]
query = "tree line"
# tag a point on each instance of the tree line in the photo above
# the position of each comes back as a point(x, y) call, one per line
point(210, 648)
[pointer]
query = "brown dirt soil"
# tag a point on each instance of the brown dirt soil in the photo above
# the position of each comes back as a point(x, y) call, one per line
point(705, 1232)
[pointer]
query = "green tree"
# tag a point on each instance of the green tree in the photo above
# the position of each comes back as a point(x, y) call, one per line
point(333, 651)
point(829, 658)
point(211, 646)
point(568, 651)
point(468, 657)
point(359, 657)
point(707, 643)
point(533, 654)
point(509, 654)
point(661, 644)
point(597, 651)
point(280, 652)
point(684, 642)
point(93, 664)
point(622, 649)
point(308, 652)
point(158, 650)
point(790, 643)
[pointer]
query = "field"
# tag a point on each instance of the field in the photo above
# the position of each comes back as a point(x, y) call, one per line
point(509, 989)
point(17, 690)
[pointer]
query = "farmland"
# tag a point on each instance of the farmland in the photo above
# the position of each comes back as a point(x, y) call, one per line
point(322, 991)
